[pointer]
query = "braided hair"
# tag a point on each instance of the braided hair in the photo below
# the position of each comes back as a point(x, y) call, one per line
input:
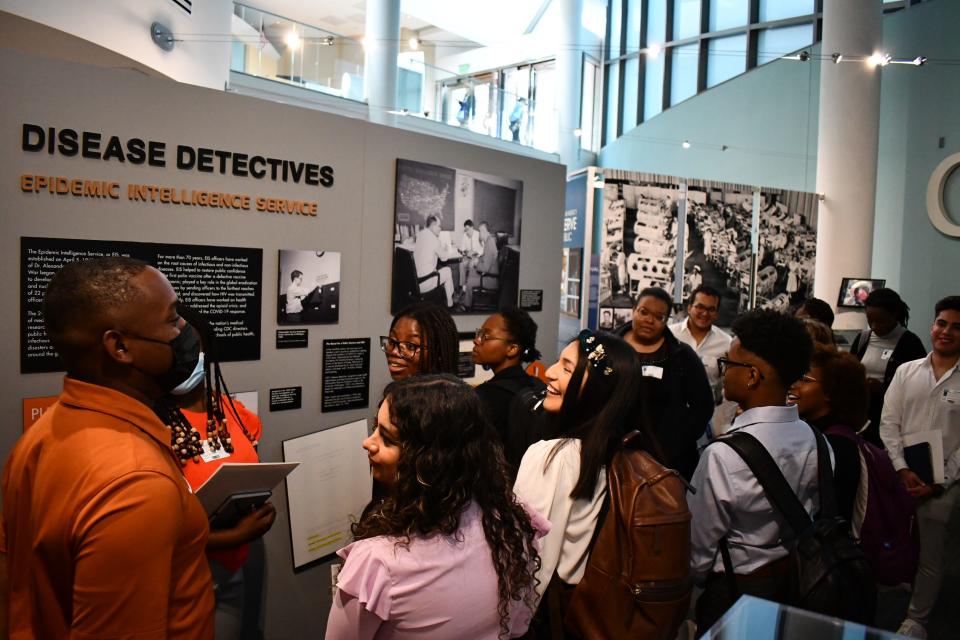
point(441, 344)
point(523, 330)
point(185, 440)
point(889, 300)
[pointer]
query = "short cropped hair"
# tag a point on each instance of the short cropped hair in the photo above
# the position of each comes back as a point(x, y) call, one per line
point(659, 294)
point(296, 273)
point(468, 223)
point(950, 303)
point(781, 340)
point(706, 290)
point(85, 289)
point(818, 310)
point(430, 220)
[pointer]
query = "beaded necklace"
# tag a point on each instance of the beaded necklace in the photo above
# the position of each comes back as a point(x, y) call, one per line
point(184, 439)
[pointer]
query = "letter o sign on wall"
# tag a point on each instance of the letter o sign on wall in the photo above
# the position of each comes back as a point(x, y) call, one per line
point(936, 208)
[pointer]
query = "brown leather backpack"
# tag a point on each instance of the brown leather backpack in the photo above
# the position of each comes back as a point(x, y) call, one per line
point(637, 582)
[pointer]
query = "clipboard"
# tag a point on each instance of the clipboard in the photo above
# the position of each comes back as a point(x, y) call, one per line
point(235, 478)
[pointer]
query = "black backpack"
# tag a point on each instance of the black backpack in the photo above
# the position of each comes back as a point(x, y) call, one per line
point(829, 572)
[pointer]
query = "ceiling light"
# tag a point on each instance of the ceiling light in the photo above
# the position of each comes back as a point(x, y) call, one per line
point(685, 144)
point(653, 51)
point(414, 43)
point(577, 132)
point(879, 59)
point(837, 58)
point(292, 40)
point(598, 182)
point(919, 61)
point(401, 112)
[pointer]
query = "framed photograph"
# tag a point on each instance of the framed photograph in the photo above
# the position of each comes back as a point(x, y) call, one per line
point(854, 291)
point(456, 238)
point(309, 286)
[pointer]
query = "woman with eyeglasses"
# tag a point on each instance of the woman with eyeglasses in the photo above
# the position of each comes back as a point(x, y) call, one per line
point(833, 395)
point(423, 339)
point(450, 552)
point(506, 340)
point(676, 396)
point(591, 403)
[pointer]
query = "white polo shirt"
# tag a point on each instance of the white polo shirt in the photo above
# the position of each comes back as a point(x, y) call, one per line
point(916, 401)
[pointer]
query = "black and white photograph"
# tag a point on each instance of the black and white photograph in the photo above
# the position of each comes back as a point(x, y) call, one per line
point(639, 245)
point(456, 238)
point(718, 250)
point(787, 248)
point(309, 287)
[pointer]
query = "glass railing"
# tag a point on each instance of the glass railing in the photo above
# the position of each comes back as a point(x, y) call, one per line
point(270, 46)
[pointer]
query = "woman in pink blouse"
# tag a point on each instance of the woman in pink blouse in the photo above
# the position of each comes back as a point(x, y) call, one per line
point(450, 553)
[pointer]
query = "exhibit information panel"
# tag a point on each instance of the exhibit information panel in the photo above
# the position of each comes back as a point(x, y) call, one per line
point(221, 283)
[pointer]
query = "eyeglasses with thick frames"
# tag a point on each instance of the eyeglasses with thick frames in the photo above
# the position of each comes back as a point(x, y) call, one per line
point(657, 317)
point(405, 350)
point(482, 336)
point(725, 363)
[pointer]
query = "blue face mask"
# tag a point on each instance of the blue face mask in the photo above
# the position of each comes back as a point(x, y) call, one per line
point(195, 378)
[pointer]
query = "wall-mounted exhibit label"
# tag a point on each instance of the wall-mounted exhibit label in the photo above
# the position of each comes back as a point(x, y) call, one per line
point(292, 338)
point(96, 145)
point(346, 374)
point(285, 398)
point(221, 283)
point(531, 299)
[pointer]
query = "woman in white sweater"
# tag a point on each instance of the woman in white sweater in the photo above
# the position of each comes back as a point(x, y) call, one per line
point(591, 402)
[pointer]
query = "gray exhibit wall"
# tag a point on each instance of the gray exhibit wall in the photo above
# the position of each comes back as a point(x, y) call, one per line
point(355, 217)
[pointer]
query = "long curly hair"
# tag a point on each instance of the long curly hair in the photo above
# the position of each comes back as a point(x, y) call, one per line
point(450, 457)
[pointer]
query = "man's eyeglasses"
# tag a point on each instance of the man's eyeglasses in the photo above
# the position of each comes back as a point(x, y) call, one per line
point(405, 350)
point(657, 317)
point(482, 336)
point(704, 309)
point(725, 363)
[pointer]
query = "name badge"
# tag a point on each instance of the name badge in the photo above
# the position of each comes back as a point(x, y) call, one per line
point(209, 454)
point(652, 371)
point(950, 396)
point(885, 354)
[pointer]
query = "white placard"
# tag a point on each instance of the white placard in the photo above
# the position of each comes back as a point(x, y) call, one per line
point(328, 490)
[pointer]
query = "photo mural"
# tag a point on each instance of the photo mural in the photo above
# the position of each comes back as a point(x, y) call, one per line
point(643, 245)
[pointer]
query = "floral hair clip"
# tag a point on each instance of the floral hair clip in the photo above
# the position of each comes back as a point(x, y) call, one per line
point(596, 355)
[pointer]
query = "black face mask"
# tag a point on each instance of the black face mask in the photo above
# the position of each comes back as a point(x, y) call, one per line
point(186, 354)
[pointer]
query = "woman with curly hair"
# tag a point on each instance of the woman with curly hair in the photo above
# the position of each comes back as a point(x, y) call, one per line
point(591, 403)
point(450, 552)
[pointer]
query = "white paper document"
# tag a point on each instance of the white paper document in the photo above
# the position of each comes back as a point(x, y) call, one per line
point(935, 438)
point(329, 490)
point(241, 477)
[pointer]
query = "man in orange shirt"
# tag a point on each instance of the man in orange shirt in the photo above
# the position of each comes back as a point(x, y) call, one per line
point(101, 536)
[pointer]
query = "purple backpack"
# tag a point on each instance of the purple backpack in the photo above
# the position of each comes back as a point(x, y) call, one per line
point(884, 519)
